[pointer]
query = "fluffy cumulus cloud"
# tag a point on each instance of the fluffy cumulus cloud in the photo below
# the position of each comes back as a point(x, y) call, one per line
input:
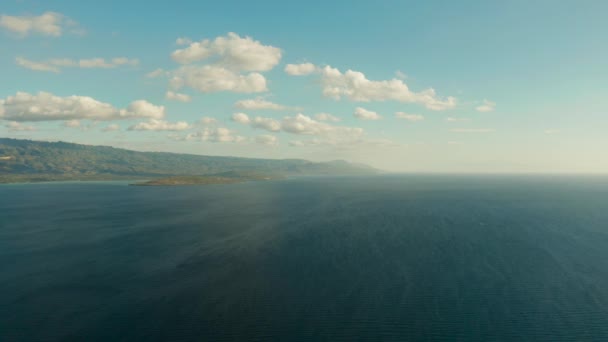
point(409, 117)
point(227, 63)
point(55, 65)
point(213, 78)
point(233, 52)
point(170, 95)
point(302, 125)
point(241, 118)
point(261, 104)
point(300, 69)
point(268, 124)
point(47, 24)
point(267, 139)
point(326, 117)
point(486, 106)
point(159, 125)
point(45, 106)
point(364, 114)
point(355, 86)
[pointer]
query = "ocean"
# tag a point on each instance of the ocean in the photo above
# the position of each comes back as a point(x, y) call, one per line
point(379, 258)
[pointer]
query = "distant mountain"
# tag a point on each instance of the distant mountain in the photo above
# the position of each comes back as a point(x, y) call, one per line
point(26, 160)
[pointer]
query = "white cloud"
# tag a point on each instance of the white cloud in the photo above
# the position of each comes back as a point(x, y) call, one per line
point(211, 78)
point(157, 73)
point(326, 117)
point(170, 95)
point(400, 75)
point(219, 135)
point(143, 109)
point(22, 62)
point(231, 52)
point(266, 139)
point(183, 41)
point(72, 123)
point(355, 86)
point(471, 130)
point(487, 106)
point(48, 107)
point(453, 119)
point(230, 63)
point(300, 69)
point(207, 121)
point(241, 118)
point(260, 103)
point(14, 126)
point(111, 128)
point(55, 65)
point(266, 123)
point(159, 125)
point(364, 114)
point(552, 131)
point(409, 117)
point(47, 24)
point(302, 124)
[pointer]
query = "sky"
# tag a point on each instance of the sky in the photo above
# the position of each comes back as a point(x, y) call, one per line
point(405, 86)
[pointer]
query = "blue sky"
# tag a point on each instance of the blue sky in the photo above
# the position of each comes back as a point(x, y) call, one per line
point(519, 86)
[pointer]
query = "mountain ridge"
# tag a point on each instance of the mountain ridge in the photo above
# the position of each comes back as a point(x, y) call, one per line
point(31, 160)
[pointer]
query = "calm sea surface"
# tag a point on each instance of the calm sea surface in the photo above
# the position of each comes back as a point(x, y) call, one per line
point(387, 258)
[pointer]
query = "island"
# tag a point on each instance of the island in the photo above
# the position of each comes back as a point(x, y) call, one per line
point(229, 177)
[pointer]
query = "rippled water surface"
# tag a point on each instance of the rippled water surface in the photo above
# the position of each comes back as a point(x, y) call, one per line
point(390, 258)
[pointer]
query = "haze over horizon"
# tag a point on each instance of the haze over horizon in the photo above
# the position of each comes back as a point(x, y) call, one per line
point(402, 86)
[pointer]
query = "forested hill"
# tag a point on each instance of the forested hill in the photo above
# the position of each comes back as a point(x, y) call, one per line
point(37, 160)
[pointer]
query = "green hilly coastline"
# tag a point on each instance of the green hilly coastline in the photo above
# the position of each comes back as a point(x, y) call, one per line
point(38, 161)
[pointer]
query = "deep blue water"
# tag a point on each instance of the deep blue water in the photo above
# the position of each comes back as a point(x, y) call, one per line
point(390, 258)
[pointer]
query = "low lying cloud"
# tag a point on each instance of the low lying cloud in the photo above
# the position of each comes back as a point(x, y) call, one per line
point(364, 114)
point(266, 139)
point(216, 135)
point(170, 95)
point(300, 69)
point(299, 124)
point(326, 117)
point(261, 104)
point(472, 130)
point(409, 117)
point(55, 65)
point(111, 128)
point(14, 126)
point(160, 125)
point(51, 24)
point(453, 119)
point(241, 118)
point(23, 107)
point(487, 106)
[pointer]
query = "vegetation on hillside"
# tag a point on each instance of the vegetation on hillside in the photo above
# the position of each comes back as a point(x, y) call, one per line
point(26, 160)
